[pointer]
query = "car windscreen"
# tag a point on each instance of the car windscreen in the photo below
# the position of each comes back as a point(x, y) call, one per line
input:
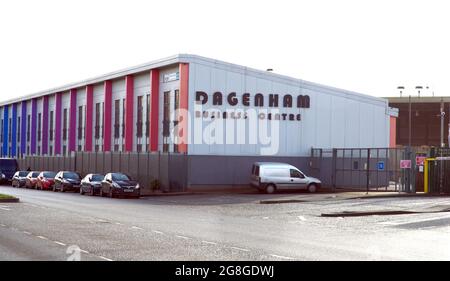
point(49, 175)
point(120, 177)
point(72, 176)
point(97, 177)
point(35, 175)
point(23, 174)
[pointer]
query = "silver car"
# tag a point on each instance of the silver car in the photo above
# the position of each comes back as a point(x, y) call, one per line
point(269, 177)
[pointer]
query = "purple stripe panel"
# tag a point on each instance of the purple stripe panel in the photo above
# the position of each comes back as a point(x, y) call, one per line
point(45, 127)
point(58, 123)
point(73, 120)
point(23, 129)
point(33, 125)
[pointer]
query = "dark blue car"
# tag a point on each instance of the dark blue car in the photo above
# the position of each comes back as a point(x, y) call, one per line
point(8, 167)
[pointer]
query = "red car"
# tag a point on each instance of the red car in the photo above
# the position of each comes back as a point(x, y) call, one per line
point(45, 180)
point(31, 179)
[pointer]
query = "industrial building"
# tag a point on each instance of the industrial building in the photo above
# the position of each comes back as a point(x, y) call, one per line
point(222, 116)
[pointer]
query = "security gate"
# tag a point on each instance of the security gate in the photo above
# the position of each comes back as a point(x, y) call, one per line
point(366, 169)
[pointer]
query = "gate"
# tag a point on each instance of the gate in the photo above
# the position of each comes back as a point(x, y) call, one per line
point(437, 171)
point(367, 169)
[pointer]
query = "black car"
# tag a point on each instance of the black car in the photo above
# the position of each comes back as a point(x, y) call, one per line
point(91, 184)
point(8, 167)
point(118, 184)
point(19, 179)
point(67, 181)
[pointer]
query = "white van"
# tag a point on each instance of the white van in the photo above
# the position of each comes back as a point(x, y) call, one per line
point(270, 177)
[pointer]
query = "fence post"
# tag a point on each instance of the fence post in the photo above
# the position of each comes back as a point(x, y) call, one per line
point(333, 168)
point(368, 171)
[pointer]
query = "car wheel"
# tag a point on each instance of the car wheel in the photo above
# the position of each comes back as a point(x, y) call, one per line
point(270, 188)
point(54, 188)
point(312, 188)
point(81, 191)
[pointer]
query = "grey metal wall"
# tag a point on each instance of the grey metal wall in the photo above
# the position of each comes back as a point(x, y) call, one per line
point(232, 170)
point(169, 169)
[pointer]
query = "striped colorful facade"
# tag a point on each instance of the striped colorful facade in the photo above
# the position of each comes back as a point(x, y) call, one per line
point(116, 112)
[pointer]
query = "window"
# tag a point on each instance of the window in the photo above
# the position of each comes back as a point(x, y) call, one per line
point(103, 119)
point(18, 130)
point(65, 124)
point(80, 123)
point(116, 119)
point(175, 122)
point(296, 174)
point(9, 130)
point(51, 150)
point(140, 112)
point(39, 126)
point(123, 117)
point(1, 133)
point(97, 122)
point(51, 126)
point(28, 128)
point(166, 121)
point(147, 118)
point(64, 149)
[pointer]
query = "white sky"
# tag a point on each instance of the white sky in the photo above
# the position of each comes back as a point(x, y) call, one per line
point(366, 46)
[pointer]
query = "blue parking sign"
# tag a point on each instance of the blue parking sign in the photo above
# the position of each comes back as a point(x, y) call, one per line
point(380, 166)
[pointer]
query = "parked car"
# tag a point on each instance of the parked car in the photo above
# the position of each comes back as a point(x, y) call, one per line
point(31, 179)
point(91, 184)
point(8, 167)
point(45, 180)
point(67, 181)
point(270, 177)
point(118, 184)
point(19, 179)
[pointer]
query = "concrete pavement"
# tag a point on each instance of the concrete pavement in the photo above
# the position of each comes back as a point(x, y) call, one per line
point(222, 227)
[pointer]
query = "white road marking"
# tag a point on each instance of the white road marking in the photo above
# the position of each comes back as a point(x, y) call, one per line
point(118, 223)
point(158, 232)
point(282, 257)
point(2, 225)
point(240, 249)
point(265, 218)
point(106, 259)
point(208, 242)
point(183, 237)
point(84, 251)
point(138, 228)
point(5, 209)
point(59, 243)
point(27, 233)
point(42, 237)
point(302, 218)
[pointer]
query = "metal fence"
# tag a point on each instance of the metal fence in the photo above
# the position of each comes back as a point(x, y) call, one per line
point(365, 169)
point(168, 168)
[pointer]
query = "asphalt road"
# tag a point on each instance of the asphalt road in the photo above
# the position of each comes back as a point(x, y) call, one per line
point(61, 226)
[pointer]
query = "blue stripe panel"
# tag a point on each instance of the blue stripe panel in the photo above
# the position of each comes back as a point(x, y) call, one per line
point(14, 131)
point(5, 130)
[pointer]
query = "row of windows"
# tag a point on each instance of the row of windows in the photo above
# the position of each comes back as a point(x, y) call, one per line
point(118, 126)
